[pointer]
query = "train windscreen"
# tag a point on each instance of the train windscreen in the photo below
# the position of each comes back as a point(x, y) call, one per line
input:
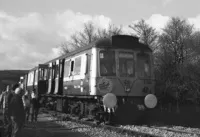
point(143, 65)
point(126, 64)
point(67, 68)
point(107, 63)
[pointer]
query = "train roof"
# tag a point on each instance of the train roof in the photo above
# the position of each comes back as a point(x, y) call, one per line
point(116, 41)
point(71, 53)
point(38, 66)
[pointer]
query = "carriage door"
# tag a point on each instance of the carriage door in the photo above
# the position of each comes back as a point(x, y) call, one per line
point(93, 72)
point(56, 77)
point(36, 80)
point(42, 80)
point(49, 78)
point(61, 71)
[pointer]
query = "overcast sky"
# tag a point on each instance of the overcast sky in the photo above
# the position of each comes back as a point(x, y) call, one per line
point(31, 30)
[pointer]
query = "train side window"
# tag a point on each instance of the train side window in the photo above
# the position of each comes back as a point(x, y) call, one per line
point(45, 74)
point(36, 76)
point(60, 69)
point(77, 66)
point(54, 71)
point(30, 78)
point(67, 68)
point(88, 61)
point(50, 73)
point(57, 70)
point(72, 68)
point(28, 82)
point(41, 74)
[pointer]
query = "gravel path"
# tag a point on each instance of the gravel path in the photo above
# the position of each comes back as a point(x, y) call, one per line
point(90, 131)
point(47, 127)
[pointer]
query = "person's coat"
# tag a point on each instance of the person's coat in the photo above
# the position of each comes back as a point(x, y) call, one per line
point(17, 108)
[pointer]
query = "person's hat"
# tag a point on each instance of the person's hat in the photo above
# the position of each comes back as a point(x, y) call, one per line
point(15, 86)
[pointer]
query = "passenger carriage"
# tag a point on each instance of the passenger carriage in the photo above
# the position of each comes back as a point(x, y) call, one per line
point(36, 79)
point(108, 72)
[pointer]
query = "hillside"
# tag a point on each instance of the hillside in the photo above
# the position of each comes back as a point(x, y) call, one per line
point(10, 77)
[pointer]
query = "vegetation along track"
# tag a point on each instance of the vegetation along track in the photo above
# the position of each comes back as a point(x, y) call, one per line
point(133, 130)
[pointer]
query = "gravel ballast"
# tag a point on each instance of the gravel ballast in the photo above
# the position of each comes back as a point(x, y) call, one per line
point(95, 131)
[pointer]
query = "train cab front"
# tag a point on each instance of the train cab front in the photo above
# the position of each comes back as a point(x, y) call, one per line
point(137, 84)
point(125, 79)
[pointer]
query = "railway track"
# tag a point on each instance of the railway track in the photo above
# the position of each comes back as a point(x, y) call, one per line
point(178, 131)
point(62, 117)
point(171, 131)
point(133, 130)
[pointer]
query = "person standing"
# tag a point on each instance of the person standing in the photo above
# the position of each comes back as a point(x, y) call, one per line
point(34, 106)
point(26, 102)
point(17, 112)
point(5, 101)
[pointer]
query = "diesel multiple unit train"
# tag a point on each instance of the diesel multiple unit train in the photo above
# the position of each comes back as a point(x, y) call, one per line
point(111, 75)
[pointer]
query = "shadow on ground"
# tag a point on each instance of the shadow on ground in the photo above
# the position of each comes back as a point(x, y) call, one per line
point(187, 117)
point(48, 128)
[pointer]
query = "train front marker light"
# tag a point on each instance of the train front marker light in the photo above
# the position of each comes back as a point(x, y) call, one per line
point(128, 90)
point(110, 100)
point(150, 101)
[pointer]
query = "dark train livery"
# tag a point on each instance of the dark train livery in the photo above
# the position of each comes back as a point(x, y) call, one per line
point(105, 74)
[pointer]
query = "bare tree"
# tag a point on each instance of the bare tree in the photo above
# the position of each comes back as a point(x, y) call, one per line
point(177, 44)
point(112, 30)
point(89, 34)
point(176, 39)
point(194, 48)
point(79, 38)
point(146, 33)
